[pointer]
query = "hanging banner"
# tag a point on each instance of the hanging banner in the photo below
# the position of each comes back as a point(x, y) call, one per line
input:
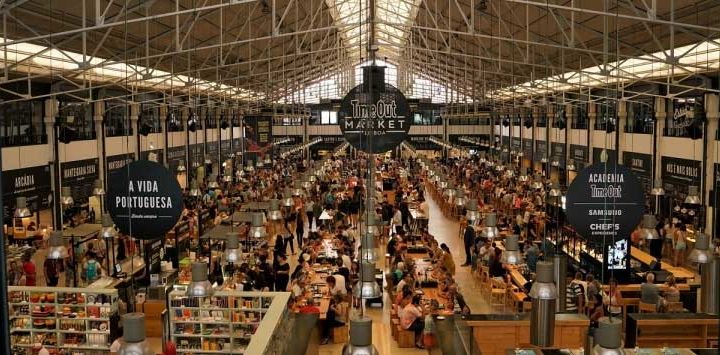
point(374, 116)
point(678, 174)
point(80, 175)
point(147, 202)
point(157, 154)
point(258, 135)
point(115, 162)
point(32, 183)
point(423, 142)
point(641, 165)
point(605, 201)
point(580, 154)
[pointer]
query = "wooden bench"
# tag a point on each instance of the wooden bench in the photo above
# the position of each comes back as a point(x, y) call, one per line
point(394, 328)
point(340, 334)
point(405, 338)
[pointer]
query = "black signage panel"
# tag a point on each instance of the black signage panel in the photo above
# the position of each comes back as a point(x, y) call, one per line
point(32, 183)
point(527, 147)
point(237, 145)
point(611, 155)
point(558, 152)
point(605, 202)
point(115, 162)
point(678, 174)
point(175, 155)
point(147, 202)
point(327, 143)
point(475, 139)
point(641, 165)
point(158, 153)
point(505, 141)
point(580, 154)
point(516, 144)
point(225, 149)
point(423, 142)
point(258, 135)
point(153, 250)
point(540, 150)
point(80, 175)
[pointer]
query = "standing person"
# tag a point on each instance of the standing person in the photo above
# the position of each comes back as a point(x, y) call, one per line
point(575, 295)
point(52, 268)
point(680, 244)
point(468, 239)
point(310, 212)
point(299, 229)
point(29, 270)
point(532, 254)
point(613, 299)
point(15, 273)
point(282, 274)
point(92, 269)
point(288, 237)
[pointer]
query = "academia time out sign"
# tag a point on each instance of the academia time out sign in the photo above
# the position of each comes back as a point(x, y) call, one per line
point(374, 118)
point(605, 201)
point(144, 200)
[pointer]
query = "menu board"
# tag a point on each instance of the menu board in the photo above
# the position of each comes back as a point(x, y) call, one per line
point(175, 155)
point(611, 155)
point(153, 255)
point(641, 165)
point(580, 154)
point(33, 183)
point(558, 152)
point(516, 144)
point(116, 162)
point(540, 150)
point(678, 174)
point(80, 176)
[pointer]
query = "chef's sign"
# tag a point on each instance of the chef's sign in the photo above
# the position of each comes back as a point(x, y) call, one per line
point(374, 118)
point(605, 201)
point(144, 200)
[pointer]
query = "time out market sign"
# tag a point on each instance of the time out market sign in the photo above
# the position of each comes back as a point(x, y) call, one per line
point(605, 201)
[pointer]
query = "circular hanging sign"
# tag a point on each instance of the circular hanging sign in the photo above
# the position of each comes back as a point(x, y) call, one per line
point(374, 122)
point(144, 199)
point(605, 201)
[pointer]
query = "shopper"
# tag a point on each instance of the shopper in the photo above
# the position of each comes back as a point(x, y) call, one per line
point(299, 228)
point(447, 259)
point(575, 295)
point(336, 286)
point(468, 240)
point(680, 244)
point(52, 269)
point(532, 254)
point(309, 211)
point(282, 274)
point(29, 270)
point(613, 299)
point(649, 292)
point(15, 273)
point(91, 269)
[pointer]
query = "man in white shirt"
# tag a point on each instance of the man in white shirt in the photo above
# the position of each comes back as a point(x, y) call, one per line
point(347, 262)
point(336, 284)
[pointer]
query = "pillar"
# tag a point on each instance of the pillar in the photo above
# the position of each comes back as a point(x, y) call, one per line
point(621, 144)
point(98, 118)
point(163, 112)
point(661, 112)
point(712, 109)
point(135, 126)
point(592, 119)
point(184, 117)
point(51, 111)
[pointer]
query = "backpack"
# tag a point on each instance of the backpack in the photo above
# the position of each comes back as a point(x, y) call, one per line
point(91, 271)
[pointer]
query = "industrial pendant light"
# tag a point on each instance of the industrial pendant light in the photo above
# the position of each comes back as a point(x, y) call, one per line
point(181, 167)
point(367, 287)
point(57, 249)
point(692, 197)
point(98, 189)
point(360, 340)
point(511, 255)
point(370, 223)
point(108, 227)
point(21, 209)
point(657, 189)
point(490, 231)
point(543, 160)
point(471, 210)
point(555, 190)
point(66, 196)
point(232, 247)
point(647, 230)
point(537, 183)
point(298, 190)
point(700, 254)
point(274, 213)
point(208, 160)
point(555, 162)
point(212, 182)
point(571, 165)
point(133, 339)
point(288, 200)
point(199, 286)
point(249, 166)
point(194, 190)
point(257, 229)
point(450, 191)
point(523, 177)
point(260, 164)
point(460, 199)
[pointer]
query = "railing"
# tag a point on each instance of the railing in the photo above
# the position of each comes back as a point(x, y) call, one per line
point(639, 129)
point(25, 139)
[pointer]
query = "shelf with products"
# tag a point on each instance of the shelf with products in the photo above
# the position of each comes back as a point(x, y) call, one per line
point(62, 318)
point(227, 322)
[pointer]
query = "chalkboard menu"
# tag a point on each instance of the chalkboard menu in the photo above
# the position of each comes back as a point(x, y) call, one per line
point(641, 166)
point(540, 150)
point(175, 155)
point(579, 153)
point(32, 183)
point(80, 176)
point(158, 153)
point(116, 162)
point(153, 251)
point(558, 152)
point(527, 147)
point(678, 174)
point(611, 154)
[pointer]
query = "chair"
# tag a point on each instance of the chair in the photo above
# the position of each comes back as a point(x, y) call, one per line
point(647, 307)
point(498, 292)
point(463, 225)
point(674, 307)
point(485, 285)
point(405, 338)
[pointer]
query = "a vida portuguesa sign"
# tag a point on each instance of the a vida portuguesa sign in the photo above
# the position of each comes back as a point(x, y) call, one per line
point(374, 116)
point(605, 201)
point(144, 200)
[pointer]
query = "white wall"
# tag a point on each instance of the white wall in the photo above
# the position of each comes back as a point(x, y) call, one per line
point(25, 157)
point(78, 150)
point(119, 145)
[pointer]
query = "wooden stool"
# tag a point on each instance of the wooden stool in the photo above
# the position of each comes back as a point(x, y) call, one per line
point(394, 328)
point(647, 307)
point(340, 334)
point(405, 338)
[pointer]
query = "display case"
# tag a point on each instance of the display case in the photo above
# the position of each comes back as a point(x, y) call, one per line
point(228, 322)
point(66, 320)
